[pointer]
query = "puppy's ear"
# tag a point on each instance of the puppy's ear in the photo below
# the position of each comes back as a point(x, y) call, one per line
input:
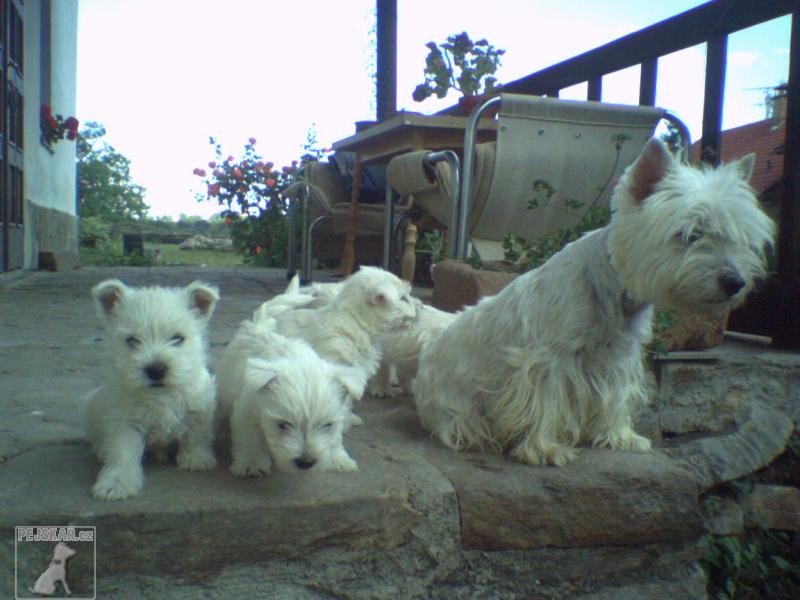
point(202, 298)
point(353, 380)
point(744, 166)
point(107, 295)
point(376, 298)
point(650, 168)
point(258, 373)
point(294, 285)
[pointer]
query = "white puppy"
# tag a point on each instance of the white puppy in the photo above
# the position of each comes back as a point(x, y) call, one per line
point(400, 351)
point(368, 303)
point(288, 407)
point(159, 389)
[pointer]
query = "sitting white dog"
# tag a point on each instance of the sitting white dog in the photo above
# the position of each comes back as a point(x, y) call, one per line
point(159, 389)
point(554, 360)
point(288, 407)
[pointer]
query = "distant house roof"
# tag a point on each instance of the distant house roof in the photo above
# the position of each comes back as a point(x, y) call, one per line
point(761, 137)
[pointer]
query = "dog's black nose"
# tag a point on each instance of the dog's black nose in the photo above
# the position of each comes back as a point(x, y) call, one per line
point(731, 283)
point(304, 463)
point(156, 371)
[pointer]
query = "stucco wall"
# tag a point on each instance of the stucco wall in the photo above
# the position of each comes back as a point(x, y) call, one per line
point(49, 178)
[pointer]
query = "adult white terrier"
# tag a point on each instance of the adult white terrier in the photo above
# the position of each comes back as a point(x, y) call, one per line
point(400, 351)
point(159, 389)
point(288, 407)
point(554, 360)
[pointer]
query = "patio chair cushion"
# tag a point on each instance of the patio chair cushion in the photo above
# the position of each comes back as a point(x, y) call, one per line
point(429, 187)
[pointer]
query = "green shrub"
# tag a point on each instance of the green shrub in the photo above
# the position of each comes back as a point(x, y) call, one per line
point(94, 232)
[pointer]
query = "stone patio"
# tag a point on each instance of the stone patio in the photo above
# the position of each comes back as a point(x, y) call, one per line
point(416, 521)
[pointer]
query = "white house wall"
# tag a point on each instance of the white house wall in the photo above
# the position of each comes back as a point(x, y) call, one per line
point(50, 194)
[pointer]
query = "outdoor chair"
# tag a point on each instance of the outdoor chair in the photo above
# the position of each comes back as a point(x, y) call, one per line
point(552, 161)
point(319, 206)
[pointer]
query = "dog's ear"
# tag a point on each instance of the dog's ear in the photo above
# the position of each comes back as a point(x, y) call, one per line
point(202, 298)
point(650, 168)
point(353, 380)
point(377, 297)
point(745, 165)
point(107, 295)
point(258, 373)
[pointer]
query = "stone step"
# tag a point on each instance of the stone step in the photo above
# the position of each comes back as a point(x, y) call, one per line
point(411, 502)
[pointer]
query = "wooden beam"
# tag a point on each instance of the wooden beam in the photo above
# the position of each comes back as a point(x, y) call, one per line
point(648, 77)
point(595, 89)
point(787, 333)
point(716, 53)
point(386, 71)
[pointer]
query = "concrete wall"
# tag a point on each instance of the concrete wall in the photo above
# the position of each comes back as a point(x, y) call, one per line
point(50, 197)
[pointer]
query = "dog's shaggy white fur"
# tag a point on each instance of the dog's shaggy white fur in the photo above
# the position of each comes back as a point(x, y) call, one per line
point(344, 327)
point(554, 360)
point(400, 351)
point(288, 406)
point(159, 389)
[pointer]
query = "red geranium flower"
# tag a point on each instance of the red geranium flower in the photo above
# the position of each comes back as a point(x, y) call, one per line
point(237, 173)
point(212, 165)
point(71, 123)
point(271, 182)
point(213, 190)
point(199, 172)
point(252, 141)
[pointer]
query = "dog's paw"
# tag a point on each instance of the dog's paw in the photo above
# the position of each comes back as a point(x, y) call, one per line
point(382, 391)
point(353, 420)
point(250, 468)
point(197, 459)
point(341, 461)
point(632, 441)
point(118, 482)
point(555, 455)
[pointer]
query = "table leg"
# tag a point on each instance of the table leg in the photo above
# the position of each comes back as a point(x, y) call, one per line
point(348, 254)
point(409, 261)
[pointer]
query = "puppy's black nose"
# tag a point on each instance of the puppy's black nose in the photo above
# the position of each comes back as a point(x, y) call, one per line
point(156, 371)
point(731, 283)
point(304, 463)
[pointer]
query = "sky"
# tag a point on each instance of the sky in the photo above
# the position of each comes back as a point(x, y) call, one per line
point(164, 75)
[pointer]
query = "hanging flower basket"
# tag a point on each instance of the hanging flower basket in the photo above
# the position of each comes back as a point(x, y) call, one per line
point(55, 128)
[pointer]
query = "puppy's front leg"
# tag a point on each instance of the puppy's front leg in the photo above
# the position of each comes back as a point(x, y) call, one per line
point(341, 460)
point(121, 475)
point(251, 456)
point(194, 450)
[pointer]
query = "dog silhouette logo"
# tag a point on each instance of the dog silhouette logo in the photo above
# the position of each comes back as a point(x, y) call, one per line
point(55, 573)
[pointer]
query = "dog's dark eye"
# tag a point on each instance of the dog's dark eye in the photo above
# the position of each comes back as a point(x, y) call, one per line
point(693, 237)
point(327, 426)
point(689, 238)
point(284, 425)
point(133, 342)
point(177, 339)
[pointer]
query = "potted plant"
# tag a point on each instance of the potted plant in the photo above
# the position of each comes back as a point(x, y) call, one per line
point(462, 65)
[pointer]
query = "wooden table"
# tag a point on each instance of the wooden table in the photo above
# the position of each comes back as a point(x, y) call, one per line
point(404, 132)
